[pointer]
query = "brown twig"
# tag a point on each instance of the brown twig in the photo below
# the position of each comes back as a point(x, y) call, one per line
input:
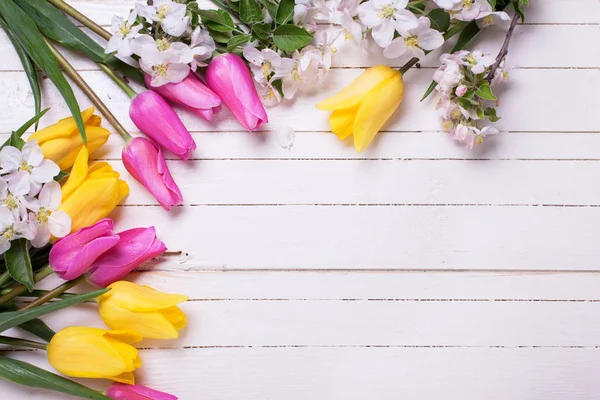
point(504, 49)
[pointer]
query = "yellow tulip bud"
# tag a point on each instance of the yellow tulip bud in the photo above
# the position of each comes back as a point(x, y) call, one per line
point(84, 352)
point(142, 309)
point(91, 192)
point(62, 142)
point(363, 107)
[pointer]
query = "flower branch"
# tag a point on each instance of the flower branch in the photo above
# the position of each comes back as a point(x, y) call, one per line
point(504, 49)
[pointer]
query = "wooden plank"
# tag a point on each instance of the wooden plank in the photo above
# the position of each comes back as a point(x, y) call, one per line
point(502, 182)
point(528, 49)
point(528, 96)
point(359, 373)
point(379, 237)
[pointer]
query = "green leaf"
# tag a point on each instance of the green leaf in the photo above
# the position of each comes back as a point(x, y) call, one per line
point(236, 41)
point(15, 318)
point(519, 6)
point(485, 92)
point(219, 37)
point(432, 86)
point(271, 7)
point(35, 326)
point(440, 19)
point(490, 113)
point(468, 34)
point(262, 30)
point(56, 26)
point(217, 17)
point(33, 42)
point(18, 262)
point(291, 38)
point(61, 175)
point(285, 11)
point(29, 375)
point(28, 67)
point(250, 11)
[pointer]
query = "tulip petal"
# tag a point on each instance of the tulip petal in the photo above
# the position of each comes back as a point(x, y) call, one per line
point(176, 317)
point(78, 174)
point(376, 108)
point(126, 377)
point(342, 122)
point(144, 298)
point(352, 94)
point(124, 335)
point(63, 128)
point(151, 324)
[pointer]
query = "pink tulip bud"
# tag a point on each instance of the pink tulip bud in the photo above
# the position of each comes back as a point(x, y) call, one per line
point(120, 391)
point(228, 76)
point(155, 118)
point(190, 93)
point(145, 162)
point(135, 247)
point(72, 255)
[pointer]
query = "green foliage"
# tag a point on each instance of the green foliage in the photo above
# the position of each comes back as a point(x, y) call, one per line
point(29, 375)
point(250, 11)
point(490, 113)
point(18, 262)
point(484, 91)
point(285, 11)
point(291, 38)
point(262, 30)
point(440, 19)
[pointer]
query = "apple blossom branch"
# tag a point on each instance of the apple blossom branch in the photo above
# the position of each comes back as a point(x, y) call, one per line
point(504, 49)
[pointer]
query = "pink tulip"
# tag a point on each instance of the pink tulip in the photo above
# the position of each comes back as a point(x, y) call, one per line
point(135, 247)
point(120, 391)
point(190, 93)
point(228, 76)
point(145, 162)
point(72, 255)
point(155, 117)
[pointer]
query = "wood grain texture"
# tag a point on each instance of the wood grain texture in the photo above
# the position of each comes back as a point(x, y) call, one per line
point(416, 269)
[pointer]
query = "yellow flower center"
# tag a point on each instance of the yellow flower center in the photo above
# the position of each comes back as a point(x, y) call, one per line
point(468, 3)
point(162, 11)
point(411, 41)
point(25, 167)
point(10, 202)
point(386, 12)
point(479, 139)
point(265, 68)
point(447, 125)
point(162, 44)
point(455, 114)
point(43, 214)
point(295, 74)
point(125, 28)
point(270, 94)
point(161, 69)
point(487, 21)
point(9, 233)
point(348, 35)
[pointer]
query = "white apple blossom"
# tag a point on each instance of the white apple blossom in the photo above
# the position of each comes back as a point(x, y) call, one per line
point(202, 47)
point(414, 42)
point(346, 15)
point(385, 17)
point(478, 62)
point(491, 18)
point(169, 14)
point(269, 95)
point(45, 217)
point(304, 74)
point(27, 169)
point(164, 61)
point(123, 32)
point(266, 64)
point(12, 228)
point(308, 13)
point(469, 10)
point(447, 4)
point(16, 204)
point(324, 42)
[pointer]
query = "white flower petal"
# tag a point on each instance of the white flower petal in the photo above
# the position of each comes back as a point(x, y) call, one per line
point(19, 183)
point(10, 159)
point(431, 39)
point(42, 236)
point(384, 33)
point(50, 196)
point(4, 245)
point(395, 49)
point(59, 223)
point(45, 171)
point(32, 153)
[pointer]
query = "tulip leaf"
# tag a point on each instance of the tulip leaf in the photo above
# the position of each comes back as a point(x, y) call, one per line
point(28, 67)
point(15, 318)
point(440, 19)
point(56, 26)
point(30, 122)
point(34, 44)
point(285, 11)
point(18, 262)
point(250, 11)
point(26, 374)
point(291, 38)
point(35, 326)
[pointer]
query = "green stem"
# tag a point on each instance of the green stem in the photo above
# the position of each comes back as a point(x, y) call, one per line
point(75, 77)
point(20, 289)
point(22, 342)
point(37, 293)
point(88, 23)
point(118, 80)
point(57, 291)
point(4, 278)
point(459, 26)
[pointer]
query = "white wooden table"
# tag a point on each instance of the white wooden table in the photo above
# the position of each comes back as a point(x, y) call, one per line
point(414, 270)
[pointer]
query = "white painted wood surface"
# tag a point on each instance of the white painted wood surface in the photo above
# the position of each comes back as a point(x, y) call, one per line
point(415, 269)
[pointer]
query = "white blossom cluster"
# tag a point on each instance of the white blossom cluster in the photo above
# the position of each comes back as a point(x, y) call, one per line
point(163, 59)
point(463, 95)
point(29, 197)
point(472, 10)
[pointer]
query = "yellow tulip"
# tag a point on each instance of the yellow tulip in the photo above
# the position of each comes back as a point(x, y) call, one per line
point(83, 352)
point(62, 142)
point(362, 107)
point(91, 193)
point(142, 309)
